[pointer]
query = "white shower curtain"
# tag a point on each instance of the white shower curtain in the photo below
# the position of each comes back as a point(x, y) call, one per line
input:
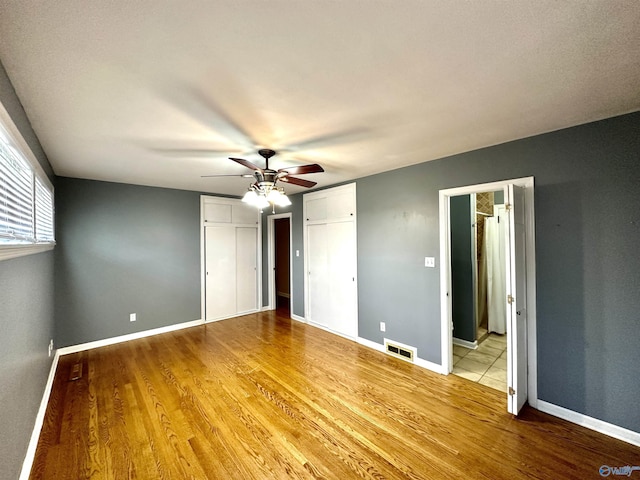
point(494, 254)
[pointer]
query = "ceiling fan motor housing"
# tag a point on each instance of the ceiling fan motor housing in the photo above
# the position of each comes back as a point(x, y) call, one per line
point(265, 177)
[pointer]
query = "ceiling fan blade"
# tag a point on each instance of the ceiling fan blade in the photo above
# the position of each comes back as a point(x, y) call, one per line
point(246, 163)
point(302, 169)
point(248, 175)
point(298, 181)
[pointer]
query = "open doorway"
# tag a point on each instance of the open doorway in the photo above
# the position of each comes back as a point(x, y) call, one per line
point(519, 297)
point(478, 287)
point(279, 241)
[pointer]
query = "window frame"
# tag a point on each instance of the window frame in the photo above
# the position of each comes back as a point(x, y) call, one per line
point(10, 130)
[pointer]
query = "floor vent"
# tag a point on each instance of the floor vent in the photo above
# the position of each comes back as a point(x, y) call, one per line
point(401, 351)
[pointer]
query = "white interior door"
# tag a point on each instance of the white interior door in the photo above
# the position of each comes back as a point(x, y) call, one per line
point(246, 269)
point(516, 302)
point(318, 275)
point(220, 275)
point(342, 285)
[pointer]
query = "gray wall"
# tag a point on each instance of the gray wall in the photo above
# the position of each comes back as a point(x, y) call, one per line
point(26, 323)
point(587, 203)
point(463, 309)
point(124, 249)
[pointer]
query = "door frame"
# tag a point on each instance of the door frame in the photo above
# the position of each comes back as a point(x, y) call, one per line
point(445, 275)
point(271, 260)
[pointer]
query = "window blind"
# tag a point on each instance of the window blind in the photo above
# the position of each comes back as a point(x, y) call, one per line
point(26, 202)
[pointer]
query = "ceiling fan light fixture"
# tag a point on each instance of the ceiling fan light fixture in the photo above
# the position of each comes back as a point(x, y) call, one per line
point(250, 197)
point(283, 201)
point(273, 195)
point(261, 202)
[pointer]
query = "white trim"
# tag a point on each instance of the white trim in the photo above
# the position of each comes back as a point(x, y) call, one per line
point(368, 343)
point(235, 315)
point(125, 338)
point(446, 324)
point(266, 308)
point(445, 275)
point(37, 428)
point(434, 367)
point(271, 282)
point(298, 318)
point(327, 329)
point(14, 251)
point(591, 423)
point(465, 343)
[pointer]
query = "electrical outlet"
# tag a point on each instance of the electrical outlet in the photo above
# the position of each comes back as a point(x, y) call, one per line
point(383, 327)
point(50, 346)
point(133, 317)
point(430, 262)
point(297, 253)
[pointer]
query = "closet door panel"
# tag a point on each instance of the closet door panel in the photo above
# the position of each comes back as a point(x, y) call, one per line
point(341, 205)
point(246, 269)
point(220, 245)
point(318, 275)
point(341, 279)
point(244, 214)
point(316, 209)
point(217, 212)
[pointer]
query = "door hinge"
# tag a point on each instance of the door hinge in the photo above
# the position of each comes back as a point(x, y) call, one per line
point(511, 391)
point(509, 299)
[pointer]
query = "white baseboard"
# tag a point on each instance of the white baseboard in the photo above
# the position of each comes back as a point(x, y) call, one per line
point(125, 338)
point(434, 367)
point(465, 343)
point(266, 308)
point(298, 318)
point(35, 435)
point(609, 429)
point(370, 344)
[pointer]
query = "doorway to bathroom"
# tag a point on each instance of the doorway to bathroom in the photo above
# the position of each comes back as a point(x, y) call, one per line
point(478, 278)
point(488, 286)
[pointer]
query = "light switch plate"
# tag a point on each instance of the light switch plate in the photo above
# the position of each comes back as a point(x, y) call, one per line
point(430, 262)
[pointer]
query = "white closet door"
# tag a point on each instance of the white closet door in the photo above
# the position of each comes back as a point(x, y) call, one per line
point(318, 275)
point(220, 245)
point(342, 268)
point(246, 269)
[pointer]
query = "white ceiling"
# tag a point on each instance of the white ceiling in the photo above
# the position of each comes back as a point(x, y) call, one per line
point(159, 93)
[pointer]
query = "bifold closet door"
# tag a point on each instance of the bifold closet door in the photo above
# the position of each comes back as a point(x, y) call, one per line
point(246, 269)
point(318, 274)
point(342, 272)
point(220, 244)
point(331, 275)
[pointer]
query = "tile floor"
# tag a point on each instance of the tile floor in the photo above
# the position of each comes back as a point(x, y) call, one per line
point(486, 365)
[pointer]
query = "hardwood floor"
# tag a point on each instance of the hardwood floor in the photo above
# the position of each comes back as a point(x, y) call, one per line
point(262, 396)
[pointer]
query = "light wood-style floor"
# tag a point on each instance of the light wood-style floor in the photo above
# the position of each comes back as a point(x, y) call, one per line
point(262, 396)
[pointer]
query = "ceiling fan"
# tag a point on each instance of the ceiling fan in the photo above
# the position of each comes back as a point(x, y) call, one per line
point(264, 191)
